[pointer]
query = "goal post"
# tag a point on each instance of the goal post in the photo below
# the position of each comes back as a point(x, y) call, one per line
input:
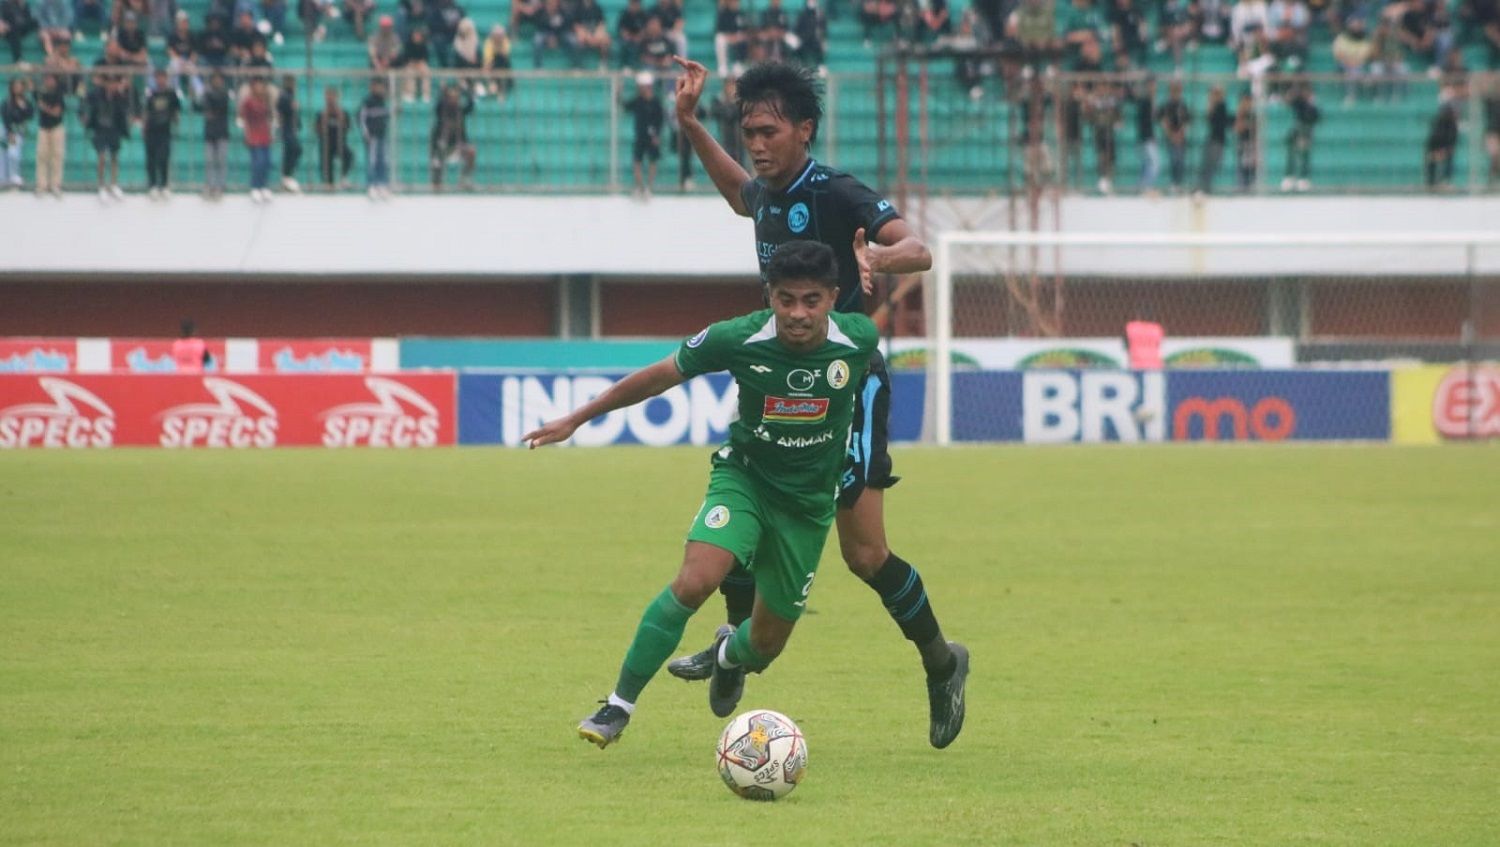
point(1350, 299)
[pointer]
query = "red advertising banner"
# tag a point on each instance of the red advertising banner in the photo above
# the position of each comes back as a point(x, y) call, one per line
point(38, 355)
point(315, 355)
point(154, 355)
point(247, 411)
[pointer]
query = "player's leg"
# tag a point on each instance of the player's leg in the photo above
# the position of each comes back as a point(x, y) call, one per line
point(784, 566)
point(657, 635)
point(738, 589)
point(727, 529)
point(862, 541)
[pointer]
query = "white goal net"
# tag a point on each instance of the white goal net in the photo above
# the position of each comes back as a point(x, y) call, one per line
point(1266, 336)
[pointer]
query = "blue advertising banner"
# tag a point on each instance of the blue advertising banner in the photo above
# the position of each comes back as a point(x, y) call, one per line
point(1062, 406)
point(1280, 405)
point(1037, 406)
point(500, 408)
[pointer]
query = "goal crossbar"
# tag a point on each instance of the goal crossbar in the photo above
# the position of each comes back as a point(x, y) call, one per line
point(941, 333)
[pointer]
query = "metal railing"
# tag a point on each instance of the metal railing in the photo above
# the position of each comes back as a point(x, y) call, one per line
point(568, 132)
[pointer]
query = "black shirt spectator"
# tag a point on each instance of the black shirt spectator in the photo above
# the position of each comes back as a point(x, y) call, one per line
point(374, 116)
point(19, 23)
point(730, 20)
point(656, 48)
point(415, 49)
point(1219, 123)
point(215, 107)
point(812, 32)
point(50, 113)
point(1145, 116)
point(630, 26)
point(16, 112)
point(162, 109)
point(443, 18)
point(107, 114)
point(1131, 31)
point(213, 44)
point(650, 116)
point(1174, 116)
point(773, 17)
point(242, 37)
point(131, 40)
point(556, 22)
point(667, 14)
point(180, 43)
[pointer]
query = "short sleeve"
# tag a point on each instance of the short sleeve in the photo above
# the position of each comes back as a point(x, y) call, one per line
point(705, 352)
point(865, 207)
point(750, 195)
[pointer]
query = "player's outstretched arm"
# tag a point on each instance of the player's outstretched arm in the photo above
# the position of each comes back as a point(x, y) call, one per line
point(644, 383)
point(727, 174)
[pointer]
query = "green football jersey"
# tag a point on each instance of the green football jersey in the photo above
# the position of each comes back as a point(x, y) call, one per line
point(795, 408)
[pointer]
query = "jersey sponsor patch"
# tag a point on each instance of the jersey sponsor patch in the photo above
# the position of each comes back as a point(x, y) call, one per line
point(716, 518)
point(802, 379)
point(698, 339)
point(799, 410)
point(838, 373)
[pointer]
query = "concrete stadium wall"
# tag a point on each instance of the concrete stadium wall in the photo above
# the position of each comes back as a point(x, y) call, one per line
point(488, 236)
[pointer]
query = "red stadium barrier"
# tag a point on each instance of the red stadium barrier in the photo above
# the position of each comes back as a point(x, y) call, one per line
point(80, 411)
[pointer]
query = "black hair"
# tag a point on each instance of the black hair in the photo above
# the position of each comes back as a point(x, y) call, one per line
point(791, 91)
point(803, 260)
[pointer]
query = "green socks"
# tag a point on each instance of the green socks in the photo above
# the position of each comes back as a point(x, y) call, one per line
point(658, 635)
point(739, 651)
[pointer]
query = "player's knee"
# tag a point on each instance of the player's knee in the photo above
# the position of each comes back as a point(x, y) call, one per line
point(692, 588)
point(864, 558)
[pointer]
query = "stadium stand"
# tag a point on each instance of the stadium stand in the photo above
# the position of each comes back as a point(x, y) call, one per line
point(558, 129)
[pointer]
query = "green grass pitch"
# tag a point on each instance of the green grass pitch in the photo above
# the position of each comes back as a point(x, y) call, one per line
point(1172, 646)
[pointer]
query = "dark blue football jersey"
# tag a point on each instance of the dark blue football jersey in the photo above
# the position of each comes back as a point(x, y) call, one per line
point(821, 204)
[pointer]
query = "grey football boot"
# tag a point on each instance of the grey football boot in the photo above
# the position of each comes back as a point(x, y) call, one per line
point(945, 700)
point(605, 727)
point(726, 685)
point(700, 665)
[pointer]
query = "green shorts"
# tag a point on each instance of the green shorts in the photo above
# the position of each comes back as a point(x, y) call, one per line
point(780, 548)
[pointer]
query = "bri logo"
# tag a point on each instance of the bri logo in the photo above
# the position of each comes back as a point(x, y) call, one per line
point(795, 410)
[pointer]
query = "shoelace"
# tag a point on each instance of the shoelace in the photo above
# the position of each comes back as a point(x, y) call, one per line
point(610, 713)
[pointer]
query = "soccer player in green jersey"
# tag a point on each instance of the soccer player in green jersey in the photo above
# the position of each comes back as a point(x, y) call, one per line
point(772, 487)
point(792, 196)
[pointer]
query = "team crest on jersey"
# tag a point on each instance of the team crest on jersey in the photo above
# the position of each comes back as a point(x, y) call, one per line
point(796, 219)
point(716, 518)
point(698, 339)
point(838, 374)
point(796, 410)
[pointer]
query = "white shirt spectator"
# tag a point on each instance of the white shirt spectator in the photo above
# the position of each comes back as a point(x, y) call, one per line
point(1248, 16)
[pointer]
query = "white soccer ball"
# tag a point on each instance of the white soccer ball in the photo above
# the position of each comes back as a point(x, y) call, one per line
point(762, 755)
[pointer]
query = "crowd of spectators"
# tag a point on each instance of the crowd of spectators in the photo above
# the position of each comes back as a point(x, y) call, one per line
point(223, 69)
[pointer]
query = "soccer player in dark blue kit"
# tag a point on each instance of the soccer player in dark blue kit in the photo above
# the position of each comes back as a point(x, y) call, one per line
point(792, 197)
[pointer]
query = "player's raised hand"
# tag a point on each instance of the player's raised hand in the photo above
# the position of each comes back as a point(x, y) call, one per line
point(862, 250)
point(551, 432)
point(689, 87)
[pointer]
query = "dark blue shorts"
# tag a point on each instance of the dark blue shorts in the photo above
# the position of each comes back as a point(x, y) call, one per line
point(869, 463)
